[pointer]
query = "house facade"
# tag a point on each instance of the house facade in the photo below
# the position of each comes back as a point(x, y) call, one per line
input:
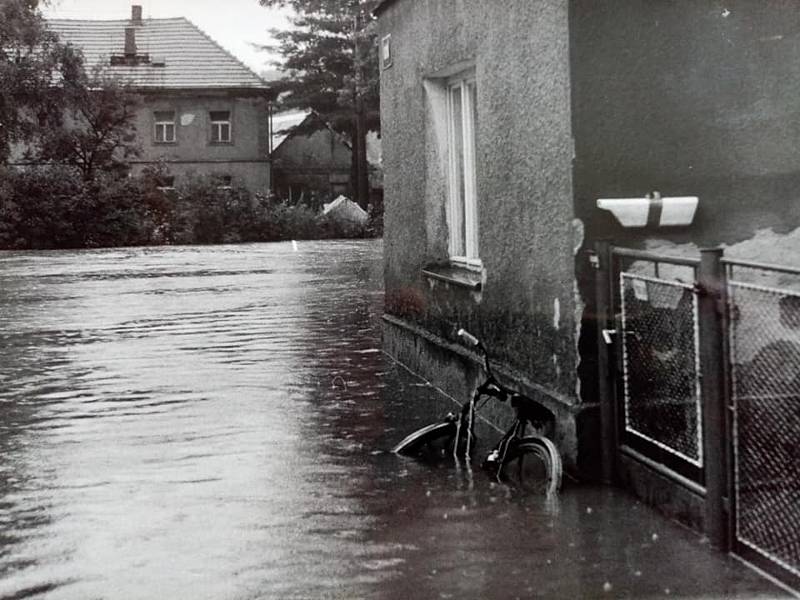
point(309, 158)
point(202, 111)
point(508, 127)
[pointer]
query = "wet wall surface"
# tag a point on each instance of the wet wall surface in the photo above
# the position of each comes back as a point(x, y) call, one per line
point(213, 423)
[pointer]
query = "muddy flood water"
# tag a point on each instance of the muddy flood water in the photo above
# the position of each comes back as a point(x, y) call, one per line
point(212, 422)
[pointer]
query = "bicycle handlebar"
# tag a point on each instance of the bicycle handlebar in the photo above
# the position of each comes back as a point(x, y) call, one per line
point(476, 343)
point(468, 337)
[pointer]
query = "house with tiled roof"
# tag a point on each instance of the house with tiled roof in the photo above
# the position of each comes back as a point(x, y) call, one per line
point(202, 111)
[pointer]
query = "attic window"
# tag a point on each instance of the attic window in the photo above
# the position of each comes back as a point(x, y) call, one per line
point(220, 126)
point(131, 60)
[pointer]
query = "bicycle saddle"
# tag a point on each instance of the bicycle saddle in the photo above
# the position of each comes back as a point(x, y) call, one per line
point(534, 412)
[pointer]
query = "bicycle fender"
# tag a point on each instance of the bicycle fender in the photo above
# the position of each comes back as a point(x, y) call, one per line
point(433, 431)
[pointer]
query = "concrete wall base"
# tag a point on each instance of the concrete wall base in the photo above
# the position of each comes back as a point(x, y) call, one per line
point(455, 371)
point(684, 502)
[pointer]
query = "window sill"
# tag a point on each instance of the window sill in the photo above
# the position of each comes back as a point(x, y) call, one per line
point(157, 143)
point(220, 143)
point(455, 275)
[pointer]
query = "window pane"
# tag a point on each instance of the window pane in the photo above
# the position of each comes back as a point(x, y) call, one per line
point(225, 132)
point(220, 115)
point(165, 115)
point(170, 133)
point(457, 173)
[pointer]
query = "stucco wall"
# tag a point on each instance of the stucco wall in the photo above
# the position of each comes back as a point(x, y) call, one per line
point(688, 98)
point(320, 148)
point(245, 159)
point(525, 311)
point(307, 161)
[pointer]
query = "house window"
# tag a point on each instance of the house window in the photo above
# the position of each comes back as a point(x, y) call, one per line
point(165, 182)
point(462, 213)
point(220, 126)
point(222, 180)
point(164, 132)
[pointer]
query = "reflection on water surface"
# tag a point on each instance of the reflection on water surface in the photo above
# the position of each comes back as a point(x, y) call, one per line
point(208, 423)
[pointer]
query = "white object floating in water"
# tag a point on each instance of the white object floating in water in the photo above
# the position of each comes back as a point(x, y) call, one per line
point(294, 245)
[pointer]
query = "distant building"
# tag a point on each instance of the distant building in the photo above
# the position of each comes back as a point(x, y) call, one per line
point(203, 111)
point(310, 158)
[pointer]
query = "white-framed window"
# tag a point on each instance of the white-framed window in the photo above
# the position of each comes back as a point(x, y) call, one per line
point(220, 126)
point(462, 213)
point(164, 126)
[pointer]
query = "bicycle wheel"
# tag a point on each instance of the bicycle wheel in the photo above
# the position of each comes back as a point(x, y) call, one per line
point(533, 464)
point(433, 441)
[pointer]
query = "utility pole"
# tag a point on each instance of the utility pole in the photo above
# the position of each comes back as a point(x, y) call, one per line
point(361, 187)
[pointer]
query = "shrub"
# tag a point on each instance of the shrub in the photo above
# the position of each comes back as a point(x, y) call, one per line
point(53, 207)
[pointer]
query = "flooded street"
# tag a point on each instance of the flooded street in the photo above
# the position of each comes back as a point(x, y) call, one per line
point(211, 422)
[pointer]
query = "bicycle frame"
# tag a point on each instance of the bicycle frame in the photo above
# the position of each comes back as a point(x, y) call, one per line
point(527, 411)
point(514, 444)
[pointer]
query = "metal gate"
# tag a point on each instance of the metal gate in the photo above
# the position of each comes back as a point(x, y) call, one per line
point(699, 363)
point(764, 342)
point(656, 387)
point(661, 412)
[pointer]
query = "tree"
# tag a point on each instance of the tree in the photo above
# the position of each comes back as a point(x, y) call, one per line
point(95, 131)
point(31, 62)
point(330, 63)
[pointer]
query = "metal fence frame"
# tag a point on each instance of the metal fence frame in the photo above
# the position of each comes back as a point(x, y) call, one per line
point(712, 280)
point(742, 543)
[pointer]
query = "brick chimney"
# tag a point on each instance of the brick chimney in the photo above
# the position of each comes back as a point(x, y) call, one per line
point(130, 42)
point(136, 14)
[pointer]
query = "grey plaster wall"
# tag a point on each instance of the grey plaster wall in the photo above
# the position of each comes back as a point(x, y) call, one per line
point(245, 158)
point(308, 159)
point(688, 98)
point(519, 49)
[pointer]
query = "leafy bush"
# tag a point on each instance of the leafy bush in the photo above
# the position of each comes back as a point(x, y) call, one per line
point(54, 207)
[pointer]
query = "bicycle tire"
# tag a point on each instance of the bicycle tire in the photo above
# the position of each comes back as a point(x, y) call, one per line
point(533, 464)
point(434, 441)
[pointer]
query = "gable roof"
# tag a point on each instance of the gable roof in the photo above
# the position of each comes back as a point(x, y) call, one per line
point(191, 58)
point(284, 122)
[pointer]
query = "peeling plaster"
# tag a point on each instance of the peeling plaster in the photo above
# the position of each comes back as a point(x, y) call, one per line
point(556, 314)
point(578, 234)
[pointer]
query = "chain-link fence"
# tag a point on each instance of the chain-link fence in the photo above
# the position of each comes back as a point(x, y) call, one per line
point(660, 364)
point(765, 377)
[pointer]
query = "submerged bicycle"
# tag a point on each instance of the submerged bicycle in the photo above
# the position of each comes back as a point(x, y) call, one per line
point(531, 462)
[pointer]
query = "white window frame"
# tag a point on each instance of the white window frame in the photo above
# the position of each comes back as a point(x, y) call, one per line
point(164, 125)
point(216, 128)
point(468, 238)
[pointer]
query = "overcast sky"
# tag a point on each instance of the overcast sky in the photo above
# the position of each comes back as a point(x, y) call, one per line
point(235, 24)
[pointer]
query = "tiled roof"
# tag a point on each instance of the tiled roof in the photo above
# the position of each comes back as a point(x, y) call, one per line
point(191, 58)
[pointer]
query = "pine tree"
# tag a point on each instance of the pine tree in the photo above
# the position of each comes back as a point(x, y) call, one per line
point(330, 63)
